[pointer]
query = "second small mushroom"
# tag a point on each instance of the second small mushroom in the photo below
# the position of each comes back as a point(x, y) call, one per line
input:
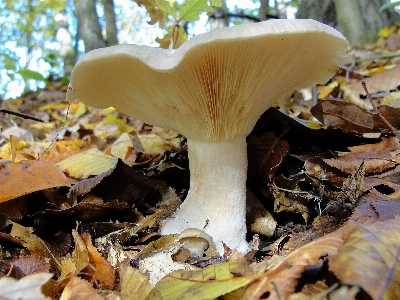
point(212, 90)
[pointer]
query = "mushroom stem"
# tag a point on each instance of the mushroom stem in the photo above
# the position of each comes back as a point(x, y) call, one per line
point(216, 201)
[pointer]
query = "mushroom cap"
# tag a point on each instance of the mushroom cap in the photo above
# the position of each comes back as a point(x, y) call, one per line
point(216, 85)
point(196, 241)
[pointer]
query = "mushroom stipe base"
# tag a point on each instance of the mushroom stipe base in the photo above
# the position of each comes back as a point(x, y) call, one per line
point(217, 196)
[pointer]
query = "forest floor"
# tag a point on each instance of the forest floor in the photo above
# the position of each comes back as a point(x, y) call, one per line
point(82, 195)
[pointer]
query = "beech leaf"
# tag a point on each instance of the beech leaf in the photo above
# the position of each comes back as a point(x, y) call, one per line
point(27, 288)
point(21, 178)
point(370, 258)
point(85, 164)
point(208, 283)
point(134, 285)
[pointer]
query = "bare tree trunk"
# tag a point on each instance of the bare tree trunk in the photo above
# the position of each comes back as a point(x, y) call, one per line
point(320, 10)
point(358, 20)
point(264, 10)
point(64, 38)
point(361, 20)
point(221, 17)
point(111, 27)
point(89, 27)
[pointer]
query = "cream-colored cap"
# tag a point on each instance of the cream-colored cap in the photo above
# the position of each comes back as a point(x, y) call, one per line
point(216, 85)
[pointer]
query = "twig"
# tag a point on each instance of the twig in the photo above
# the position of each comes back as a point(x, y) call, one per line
point(278, 294)
point(55, 138)
point(394, 130)
point(22, 115)
point(379, 56)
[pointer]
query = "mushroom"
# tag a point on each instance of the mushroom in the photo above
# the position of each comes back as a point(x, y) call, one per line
point(212, 89)
point(196, 241)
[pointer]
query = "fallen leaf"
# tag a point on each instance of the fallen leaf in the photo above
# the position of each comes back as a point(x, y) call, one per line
point(351, 117)
point(370, 258)
point(27, 288)
point(382, 82)
point(376, 157)
point(25, 177)
point(121, 146)
point(99, 269)
point(30, 264)
point(134, 285)
point(265, 154)
point(85, 164)
point(208, 283)
point(34, 244)
point(79, 289)
point(284, 276)
point(72, 265)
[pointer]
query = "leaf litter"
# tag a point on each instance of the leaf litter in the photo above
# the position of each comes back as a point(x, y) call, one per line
point(79, 215)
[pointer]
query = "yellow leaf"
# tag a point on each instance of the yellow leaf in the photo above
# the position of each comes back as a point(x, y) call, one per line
point(134, 285)
point(208, 283)
point(76, 110)
point(153, 143)
point(121, 146)
point(175, 37)
point(85, 164)
point(325, 90)
point(54, 106)
point(385, 32)
point(122, 126)
point(14, 146)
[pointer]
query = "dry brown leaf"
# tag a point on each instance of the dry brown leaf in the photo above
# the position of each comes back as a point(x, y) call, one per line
point(30, 264)
point(288, 197)
point(27, 288)
point(284, 277)
point(265, 153)
point(34, 244)
point(79, 260)
point(80, 289)
point(22, 178)
point(134, 285)
point(100, 269)
point(376, 157)
point(350, 117)
point(370, 258)
point(382, 82)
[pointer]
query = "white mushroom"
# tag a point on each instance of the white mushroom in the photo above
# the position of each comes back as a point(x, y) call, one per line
point(212, 90)
point(196, 241)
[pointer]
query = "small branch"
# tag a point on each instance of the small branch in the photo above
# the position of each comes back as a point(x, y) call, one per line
point(379, 56)
point(22, 115)
point(394, 130)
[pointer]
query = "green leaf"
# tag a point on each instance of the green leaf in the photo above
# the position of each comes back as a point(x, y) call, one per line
point(29, 74)
point(158, 10)
point(208, 283)
point(216, 3)
point(389, 5)
point(191, 10)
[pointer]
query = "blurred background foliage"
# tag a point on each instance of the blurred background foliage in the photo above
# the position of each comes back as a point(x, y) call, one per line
point(40, 41)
